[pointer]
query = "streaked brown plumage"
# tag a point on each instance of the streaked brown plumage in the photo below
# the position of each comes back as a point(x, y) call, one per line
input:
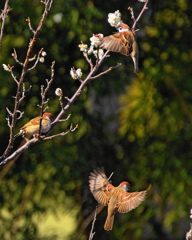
point(117, 198)
point(32, 127)
point(123, 42)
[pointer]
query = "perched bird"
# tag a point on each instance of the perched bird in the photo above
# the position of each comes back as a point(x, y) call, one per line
point(123, 42)
point(117, 198)
point(32, 127)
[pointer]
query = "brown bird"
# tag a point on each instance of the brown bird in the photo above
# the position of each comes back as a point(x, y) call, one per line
point(32, 127)
point(123, 42)
point(117, 198)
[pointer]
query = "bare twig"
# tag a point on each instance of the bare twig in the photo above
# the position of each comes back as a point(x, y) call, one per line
point(110, 176)
point(72, 129)
point(37, 60)
point(87, 221)
point(43, 95)
point(14, 55)
point(108, 70)
point(3, 17)
point(93, 224)
point(140, 14)
point(132, 13)
point(88, 60)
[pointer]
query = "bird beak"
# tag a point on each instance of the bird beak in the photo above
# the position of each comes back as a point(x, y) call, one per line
point(117, 28)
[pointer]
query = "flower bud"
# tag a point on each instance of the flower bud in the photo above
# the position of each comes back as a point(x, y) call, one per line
point(58, 92)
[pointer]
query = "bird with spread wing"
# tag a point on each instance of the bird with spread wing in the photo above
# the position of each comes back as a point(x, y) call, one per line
point(118, 198)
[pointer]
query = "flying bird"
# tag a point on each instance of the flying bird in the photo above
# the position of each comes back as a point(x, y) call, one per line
point(32, 127)
point(123, 42)
point(118, 198)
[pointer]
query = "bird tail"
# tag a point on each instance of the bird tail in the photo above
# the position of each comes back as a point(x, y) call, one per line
point(135, 55)
point(109, 223)
point(18, 134)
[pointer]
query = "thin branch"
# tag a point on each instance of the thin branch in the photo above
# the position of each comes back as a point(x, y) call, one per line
point(141, 13)
point(43, 95)
point(110, 176)
point(87, 221)
point(88, 60)
point(132, 13)
point(62, 134)
point(93, 224)
point(3, 16)
point(14, 55)
point(37, 60)
point(108, 70)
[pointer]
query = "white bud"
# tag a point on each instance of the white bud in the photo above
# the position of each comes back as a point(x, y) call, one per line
point(43, 53)
point(76, 74)
point(6, 68)
point(95, 39)
point(83, 47)
point(41, 59)
point(91, 49)
point(98, 53)
point(58, 92)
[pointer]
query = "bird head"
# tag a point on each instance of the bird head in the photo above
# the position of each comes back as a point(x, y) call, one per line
point(48, 116)
point(123, 27)
point(125, 185)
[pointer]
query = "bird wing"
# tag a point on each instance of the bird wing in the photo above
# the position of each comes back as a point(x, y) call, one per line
point(115, 43)
point(131, 200)
point(100, 186)
point(33, 121)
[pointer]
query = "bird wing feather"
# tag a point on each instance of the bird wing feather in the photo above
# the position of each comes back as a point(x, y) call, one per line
point(33, 121)
point(115, 44)
point(100, 186)
point(131, 200)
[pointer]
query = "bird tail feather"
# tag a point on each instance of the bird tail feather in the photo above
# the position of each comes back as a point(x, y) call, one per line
point(109, 223)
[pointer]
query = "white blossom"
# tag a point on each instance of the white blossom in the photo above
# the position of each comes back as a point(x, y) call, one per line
point(76, 74)
point(43, 53)
point(83, 47)
point(95, 39)
point(98, 53)
point(41, 59)
point(114, 19)
point(58, 92)
point(91, 49)
point(6, 68)
point(188, 235)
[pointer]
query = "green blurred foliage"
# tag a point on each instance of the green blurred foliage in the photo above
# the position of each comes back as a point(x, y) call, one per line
point(138, 126)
